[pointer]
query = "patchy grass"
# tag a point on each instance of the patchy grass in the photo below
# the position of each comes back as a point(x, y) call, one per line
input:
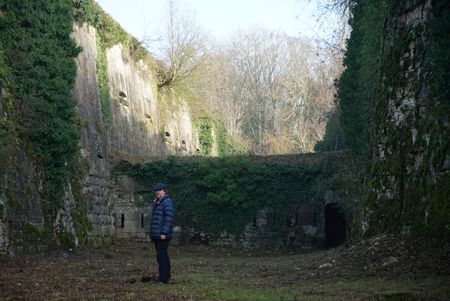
point(207, 273)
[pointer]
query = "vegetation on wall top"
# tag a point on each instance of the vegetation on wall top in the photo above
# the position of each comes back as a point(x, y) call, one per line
point(213, 195)
point(111, 33)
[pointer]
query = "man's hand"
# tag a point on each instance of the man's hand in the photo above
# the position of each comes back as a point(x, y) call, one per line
point(162, 237)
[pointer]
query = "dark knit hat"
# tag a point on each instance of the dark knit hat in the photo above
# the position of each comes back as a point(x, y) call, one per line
point(159, 186)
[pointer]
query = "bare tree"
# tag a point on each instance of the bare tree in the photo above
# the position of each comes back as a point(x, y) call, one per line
point(271, 90)
point(255, 59)
point(182, 47)
point(282, 89)
point(308, 93)
point(333, 17)
point(224, 96)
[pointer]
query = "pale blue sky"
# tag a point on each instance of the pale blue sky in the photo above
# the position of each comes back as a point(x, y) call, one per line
point(219, 17)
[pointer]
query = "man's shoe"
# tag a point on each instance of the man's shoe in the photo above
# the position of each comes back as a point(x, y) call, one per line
point(160, 283)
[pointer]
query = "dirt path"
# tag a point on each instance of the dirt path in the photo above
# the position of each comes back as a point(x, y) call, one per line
point(216, 273)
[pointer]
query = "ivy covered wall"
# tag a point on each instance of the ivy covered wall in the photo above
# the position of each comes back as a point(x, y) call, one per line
point(411, 132)
point(224, 195)
point(393, 112)
point(69, 113)
point(38, 115)
point(394, 105)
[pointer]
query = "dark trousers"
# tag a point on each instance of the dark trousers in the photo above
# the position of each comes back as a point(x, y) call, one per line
point(163, 259)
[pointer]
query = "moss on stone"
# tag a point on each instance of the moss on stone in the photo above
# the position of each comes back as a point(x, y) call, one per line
point(103, 82)
point(66, 239)
point(11, 201)
point(80, 218)
point(31, 235)
point(408, 180)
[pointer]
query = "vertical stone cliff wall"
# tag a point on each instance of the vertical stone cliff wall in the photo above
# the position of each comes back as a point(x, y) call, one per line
point(21, 216)
point(142, 125)
point(96, 181)
point(411, 134)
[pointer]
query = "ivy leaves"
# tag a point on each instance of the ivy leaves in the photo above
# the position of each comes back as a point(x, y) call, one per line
point(213, 195)
point(36, 40)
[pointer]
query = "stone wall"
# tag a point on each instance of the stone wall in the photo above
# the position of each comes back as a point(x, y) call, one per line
point(132, 217)
point(307, 227)
point(410, 139)
point(23, 208)
point(4, 229)
point(143, 125)
point(96, 181)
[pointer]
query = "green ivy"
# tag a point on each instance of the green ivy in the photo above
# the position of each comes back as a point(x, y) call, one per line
point(83, 226)
point(438, 65)
point(7, 138)
point(228, 145)
point(103, 82)
point(358, 82)
point(419, 191)
point(110, 32)
point(402, 194)
point(38, 49)
point(219, 194)
point(7, 127)
point(204, 128)
point(32, 236)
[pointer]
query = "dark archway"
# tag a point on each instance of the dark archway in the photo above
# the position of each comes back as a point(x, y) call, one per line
point(335, 228)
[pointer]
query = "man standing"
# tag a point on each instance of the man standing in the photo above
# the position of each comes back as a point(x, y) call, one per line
point(161, 230)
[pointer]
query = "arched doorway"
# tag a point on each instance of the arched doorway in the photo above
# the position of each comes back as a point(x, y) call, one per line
point(335, 227)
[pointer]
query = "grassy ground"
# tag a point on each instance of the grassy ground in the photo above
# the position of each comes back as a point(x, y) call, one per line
point(216, 273)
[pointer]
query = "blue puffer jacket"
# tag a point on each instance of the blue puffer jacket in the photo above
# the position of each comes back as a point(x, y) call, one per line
point(162, 218)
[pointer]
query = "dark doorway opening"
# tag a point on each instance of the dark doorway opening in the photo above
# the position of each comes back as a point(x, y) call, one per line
point(335, 228)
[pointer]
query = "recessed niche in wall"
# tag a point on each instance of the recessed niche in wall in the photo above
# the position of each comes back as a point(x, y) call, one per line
point(167, 138)
point(183, 145)
point(148, 117)
point(122, 220)
point(122, 98)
